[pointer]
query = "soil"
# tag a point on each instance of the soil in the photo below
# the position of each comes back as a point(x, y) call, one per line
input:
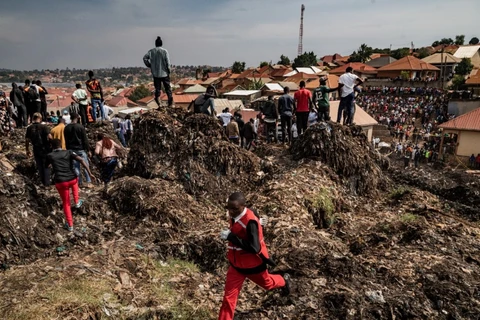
point(361, 237)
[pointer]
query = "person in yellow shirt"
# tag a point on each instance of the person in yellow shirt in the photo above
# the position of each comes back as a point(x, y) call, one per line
point(57, 132)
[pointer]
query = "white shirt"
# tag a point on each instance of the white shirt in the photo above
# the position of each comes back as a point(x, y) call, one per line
point(226, 117)
point(348, 80)
point(81, 96)
point(294, 131)
point(67, 119)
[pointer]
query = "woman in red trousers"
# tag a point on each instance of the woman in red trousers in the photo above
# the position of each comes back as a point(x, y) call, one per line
point(65, 177)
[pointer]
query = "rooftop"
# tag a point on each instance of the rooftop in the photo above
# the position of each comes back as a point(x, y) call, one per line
point(357, 66)
point(437, 58)
point(467, 51)
point(469, 121)
point(241, 92)
point(409, 63)
point(362, 118)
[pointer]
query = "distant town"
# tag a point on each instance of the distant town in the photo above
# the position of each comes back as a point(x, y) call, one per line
point(446, 64)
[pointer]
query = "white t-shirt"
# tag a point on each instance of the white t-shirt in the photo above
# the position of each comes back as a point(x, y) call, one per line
point(348, 80)
point(81, 96)
point(226, 117)
point(67, 119)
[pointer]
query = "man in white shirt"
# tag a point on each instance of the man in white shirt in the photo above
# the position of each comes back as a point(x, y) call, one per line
point(225, 116)
point(80, 96)
point(346, 86)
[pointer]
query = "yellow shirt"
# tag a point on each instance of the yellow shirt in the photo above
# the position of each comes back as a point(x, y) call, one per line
point(57, 133)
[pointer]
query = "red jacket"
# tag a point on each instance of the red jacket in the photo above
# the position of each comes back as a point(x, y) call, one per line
point(238, 257)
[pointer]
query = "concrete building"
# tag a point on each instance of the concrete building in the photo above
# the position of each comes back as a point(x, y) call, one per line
point(361, 118)
point(467, 130)
point(470, 52)
point(247, 96)
point(446, 61)
point(411, 66)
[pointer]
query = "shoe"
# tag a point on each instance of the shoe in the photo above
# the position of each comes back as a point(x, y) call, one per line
point(68, 227)
point(79, 203)
point(287, 287)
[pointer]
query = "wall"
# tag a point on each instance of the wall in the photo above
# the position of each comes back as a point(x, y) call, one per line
point(476, 59)
point(369, 132)
point(459, 107)
point(468, 143)
point(401, 83)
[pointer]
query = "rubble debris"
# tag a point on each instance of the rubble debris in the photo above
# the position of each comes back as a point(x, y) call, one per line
point(347, 151)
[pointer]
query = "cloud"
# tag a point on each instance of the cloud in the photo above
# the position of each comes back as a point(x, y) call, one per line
point(105, 33)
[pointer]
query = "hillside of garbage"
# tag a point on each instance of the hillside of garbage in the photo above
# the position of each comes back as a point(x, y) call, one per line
point(361, 237)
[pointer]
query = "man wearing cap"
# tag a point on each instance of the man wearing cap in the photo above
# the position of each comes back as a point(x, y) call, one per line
point(158, 60)
point(247, 255)
point(66, 117)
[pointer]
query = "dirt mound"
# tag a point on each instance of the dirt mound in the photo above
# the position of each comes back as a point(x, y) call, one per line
point(347, 151)
point(194, 151)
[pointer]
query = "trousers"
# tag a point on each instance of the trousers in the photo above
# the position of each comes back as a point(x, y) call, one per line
point(63, 189)
point(302, 122)
point(234, 283)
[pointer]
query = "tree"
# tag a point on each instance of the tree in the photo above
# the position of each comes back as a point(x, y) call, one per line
point(474, 40)
point(284, 60)
point(464, 67)
point(255, 85)
point(460, 39)
point(400, 53)
point(422, 53)
point(140, 92)
point(457, 82)
point(445, 41)
point(362, 55)
point(238, 67)
point(307, 59)
point(263, 64)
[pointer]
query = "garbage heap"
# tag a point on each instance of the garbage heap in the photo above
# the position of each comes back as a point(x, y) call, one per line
point(193, 150)
point(347, 151)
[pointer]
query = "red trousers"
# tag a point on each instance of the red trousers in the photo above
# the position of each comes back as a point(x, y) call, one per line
point(64, 191)
point(234, 283)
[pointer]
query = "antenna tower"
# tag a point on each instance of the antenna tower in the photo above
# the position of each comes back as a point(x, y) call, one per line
point(300, 41)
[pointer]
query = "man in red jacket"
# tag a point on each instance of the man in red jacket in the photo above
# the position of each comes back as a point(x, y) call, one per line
point(247, 254)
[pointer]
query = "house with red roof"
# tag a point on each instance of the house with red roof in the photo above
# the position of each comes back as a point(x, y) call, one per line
point(360, 69)
point(414, 67)
point(466, 130)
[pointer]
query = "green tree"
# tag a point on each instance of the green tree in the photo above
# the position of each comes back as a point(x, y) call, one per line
point(255, 85)
point(460, 39)
point(263, 64)
point(464, 67)
point(400, 53)
point(284, 60)
point(405, 75)
point(238, 67)
point(457, 82)
point(445, 41)
point(307, 59)
point(140, 92)
point(422, 53)
point(474, 40)
point(362, 54)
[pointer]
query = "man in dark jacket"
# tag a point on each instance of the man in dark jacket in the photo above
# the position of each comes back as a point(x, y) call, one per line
point(249, 134)
point(286, 105)
point(43, 99)
point(16, 96)
point(39, 135)
point(271, 118)
point(76, 140)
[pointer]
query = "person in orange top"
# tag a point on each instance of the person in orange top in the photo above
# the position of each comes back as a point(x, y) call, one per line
point(57, 132)
point(303, 101)
point(247, 254)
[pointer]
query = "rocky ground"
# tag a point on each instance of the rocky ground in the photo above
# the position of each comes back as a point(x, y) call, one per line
point(361, 237)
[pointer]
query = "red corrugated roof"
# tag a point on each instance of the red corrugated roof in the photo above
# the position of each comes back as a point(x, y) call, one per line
point(469, 121)
point(409, 63)
point(357, 66)
point(180, 98)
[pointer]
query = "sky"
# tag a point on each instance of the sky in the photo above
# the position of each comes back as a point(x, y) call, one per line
point(88, 34)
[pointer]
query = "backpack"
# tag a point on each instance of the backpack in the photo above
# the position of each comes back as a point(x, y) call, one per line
point(32, 93)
